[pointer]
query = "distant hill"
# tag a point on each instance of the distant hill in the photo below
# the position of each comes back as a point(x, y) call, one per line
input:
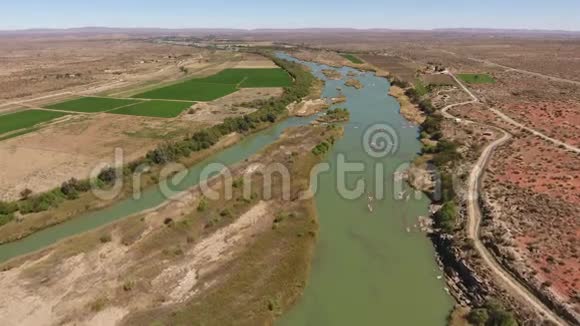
point(302, 32)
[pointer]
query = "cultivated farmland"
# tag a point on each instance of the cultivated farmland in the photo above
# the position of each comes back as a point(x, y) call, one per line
point(352, 58)
point(477, 78)
point(92, 104)
point(159, 109)
point(191, 90)
point(221, 84)
point(261, 77)
point(26, 119)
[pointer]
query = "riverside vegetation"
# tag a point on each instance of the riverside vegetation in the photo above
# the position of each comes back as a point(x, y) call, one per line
point(444, 155)
point(269, 112)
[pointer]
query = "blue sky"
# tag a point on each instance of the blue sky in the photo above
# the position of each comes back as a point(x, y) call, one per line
point(403, 14)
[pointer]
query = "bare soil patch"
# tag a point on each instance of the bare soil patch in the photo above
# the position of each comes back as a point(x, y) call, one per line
point(233, 105)
point(35, 66)
point(42, 160)
point(401, 68)
point(250, 60)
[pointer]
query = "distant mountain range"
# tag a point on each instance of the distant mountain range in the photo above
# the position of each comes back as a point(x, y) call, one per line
point(202, 32)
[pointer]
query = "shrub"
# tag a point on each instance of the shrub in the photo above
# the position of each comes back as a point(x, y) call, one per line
point(6, 218)
point(321, 148)
point(7, 208)
point(202, 206)
point(69, 189)
point(478, 317)
point(105, 238)
point(445, 218)
point(40, 203)
point(108, 175)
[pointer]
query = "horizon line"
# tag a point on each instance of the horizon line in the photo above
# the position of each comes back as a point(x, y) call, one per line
point(498, 29)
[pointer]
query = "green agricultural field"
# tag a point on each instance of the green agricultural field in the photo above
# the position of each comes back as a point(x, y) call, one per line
point(476, 78)
point(92, 104)
point(160, 109)
point(420, 87)
point(352, 58)
point(191, 90)
point(252, 77)
point(26, 119)
point(219, 85)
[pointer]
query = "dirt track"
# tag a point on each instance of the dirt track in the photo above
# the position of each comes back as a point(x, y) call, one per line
point(474, 218)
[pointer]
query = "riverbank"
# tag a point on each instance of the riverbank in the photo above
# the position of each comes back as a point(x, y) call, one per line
point(58, 206)
point(184, 253)
point(453, 149)
point(409, 110)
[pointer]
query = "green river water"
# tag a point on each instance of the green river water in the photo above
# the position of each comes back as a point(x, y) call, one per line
point(368, 269)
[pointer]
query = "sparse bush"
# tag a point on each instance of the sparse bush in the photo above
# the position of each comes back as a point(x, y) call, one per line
point(40, 202)
point(321, 149)
point(7, 208)
point(106, 238)
point(226, 213)
point(202, 206)
point(128, 286)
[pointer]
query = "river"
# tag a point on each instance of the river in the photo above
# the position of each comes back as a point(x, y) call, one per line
point(370, 268)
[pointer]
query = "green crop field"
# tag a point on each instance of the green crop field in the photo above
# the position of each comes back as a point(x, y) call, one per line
point(420, 87)
point(476, 78)
point(352, 58)
point(191, 90)
point(161, 109)
point(220, 84)
point(259, 77)
point(26, 119)
point(92, 104)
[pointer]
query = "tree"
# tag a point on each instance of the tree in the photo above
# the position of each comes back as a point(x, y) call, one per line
point(498, 316)
point(108, 175)
point(446, 216)
point(478, 317)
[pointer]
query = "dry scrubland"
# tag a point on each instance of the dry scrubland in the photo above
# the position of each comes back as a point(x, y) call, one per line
point(32, 67)
point(532, 187)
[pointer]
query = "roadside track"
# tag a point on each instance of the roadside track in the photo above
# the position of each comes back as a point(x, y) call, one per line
point(509, 120)
point(505, 278)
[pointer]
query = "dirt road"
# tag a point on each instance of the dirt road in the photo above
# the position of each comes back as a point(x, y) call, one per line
point(504, 278)
point(511, 121)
